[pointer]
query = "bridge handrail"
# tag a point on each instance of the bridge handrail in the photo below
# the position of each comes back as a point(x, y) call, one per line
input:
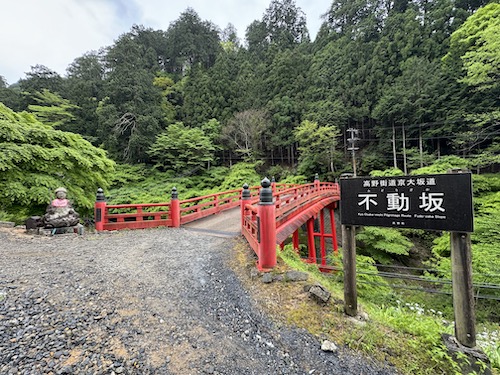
point(145, 215)
point(288, 203)
point(136, 205)
point(289, 200)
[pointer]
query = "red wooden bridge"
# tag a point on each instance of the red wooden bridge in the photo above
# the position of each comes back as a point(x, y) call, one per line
point(270, 214)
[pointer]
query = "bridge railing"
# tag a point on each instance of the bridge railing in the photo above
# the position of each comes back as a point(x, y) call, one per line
point(292, 201)
point(269, 213)
point(267, 222)
point(135, 216)
point(169, 214)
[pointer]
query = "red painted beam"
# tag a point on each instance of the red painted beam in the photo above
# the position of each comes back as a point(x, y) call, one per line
point(287, 228)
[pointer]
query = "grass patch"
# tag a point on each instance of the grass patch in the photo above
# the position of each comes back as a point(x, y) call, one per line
point(404, 335)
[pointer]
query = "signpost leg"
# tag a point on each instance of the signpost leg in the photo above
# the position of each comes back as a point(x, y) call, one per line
point(349, 259)
point(463, 293)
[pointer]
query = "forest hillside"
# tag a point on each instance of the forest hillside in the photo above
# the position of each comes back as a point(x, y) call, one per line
point(385, 88)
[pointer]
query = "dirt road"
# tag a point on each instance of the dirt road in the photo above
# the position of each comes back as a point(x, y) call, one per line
point(159, 301)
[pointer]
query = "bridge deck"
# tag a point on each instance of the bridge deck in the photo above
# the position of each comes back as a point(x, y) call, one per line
point(224, 224)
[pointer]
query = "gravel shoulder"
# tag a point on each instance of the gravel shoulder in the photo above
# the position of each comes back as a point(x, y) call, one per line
point(160, 301)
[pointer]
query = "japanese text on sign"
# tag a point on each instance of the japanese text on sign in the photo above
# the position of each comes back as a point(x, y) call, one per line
point(440, 202)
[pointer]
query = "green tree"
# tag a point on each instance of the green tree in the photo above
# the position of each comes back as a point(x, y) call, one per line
point(212, 129)
point(317, 147)
point(285, 24)
point(85, 89)
point(10, 96)
point(198, 98)
point(358, 18)
point(191, 41)
point(286, 83)
point(39, 78)
point(415, 98)
point(131, 114)
point(476, 46)
point(256, 38)
point(36, 159)
point(382, 244)
point(167, 85)
point(230, 35)
point(51, 109)
point(473, 60)
point(182, 149)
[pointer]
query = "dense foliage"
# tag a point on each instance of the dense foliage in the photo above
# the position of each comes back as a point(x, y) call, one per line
point(417, 79)
point(36, 159)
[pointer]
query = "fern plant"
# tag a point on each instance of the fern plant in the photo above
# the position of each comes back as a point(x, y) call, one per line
point(382, 244)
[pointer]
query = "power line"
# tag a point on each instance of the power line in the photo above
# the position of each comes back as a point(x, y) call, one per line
point(427, 290)
point(400, 276)
point(429, 138)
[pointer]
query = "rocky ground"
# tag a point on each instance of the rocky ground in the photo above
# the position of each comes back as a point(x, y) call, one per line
point(161, 301)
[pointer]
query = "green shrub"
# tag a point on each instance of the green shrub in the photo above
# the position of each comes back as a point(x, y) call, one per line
point(36, 159)
point(382, 244)
point(240, 174)
point(443, 165)
point(387, 172)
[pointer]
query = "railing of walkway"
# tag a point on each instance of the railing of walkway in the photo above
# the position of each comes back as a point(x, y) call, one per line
point(168, 214)
point(279, 214)
point(270, 213)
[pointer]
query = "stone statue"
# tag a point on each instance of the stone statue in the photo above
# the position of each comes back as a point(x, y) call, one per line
point(60, 212)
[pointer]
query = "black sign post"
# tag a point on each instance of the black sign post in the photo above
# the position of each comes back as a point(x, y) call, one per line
point(431, 202)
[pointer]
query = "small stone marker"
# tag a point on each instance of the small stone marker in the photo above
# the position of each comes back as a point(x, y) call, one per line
point(319, 293)
point(33, 222)
point(7, 224)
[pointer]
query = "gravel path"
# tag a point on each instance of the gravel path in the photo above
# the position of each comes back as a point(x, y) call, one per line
point(159, 301)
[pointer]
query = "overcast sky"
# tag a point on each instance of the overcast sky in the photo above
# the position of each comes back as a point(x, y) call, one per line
point(55, 32)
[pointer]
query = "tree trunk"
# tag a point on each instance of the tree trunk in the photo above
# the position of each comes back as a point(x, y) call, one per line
point(420, 146)
point(394, 145)
point(404, 151)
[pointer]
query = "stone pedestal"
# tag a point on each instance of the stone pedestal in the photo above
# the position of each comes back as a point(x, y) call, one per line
point(78, 229)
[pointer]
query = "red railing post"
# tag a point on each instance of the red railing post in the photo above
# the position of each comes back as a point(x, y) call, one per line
point(316, 182)
point(322, 237)
point(245, 198)
point(99, 210)
point(175, 209)
point(310, 240)
point(334, 229)
point(295, 241)
point(267, 227)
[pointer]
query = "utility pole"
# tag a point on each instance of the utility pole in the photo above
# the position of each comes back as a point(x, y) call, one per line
point(353, 137)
